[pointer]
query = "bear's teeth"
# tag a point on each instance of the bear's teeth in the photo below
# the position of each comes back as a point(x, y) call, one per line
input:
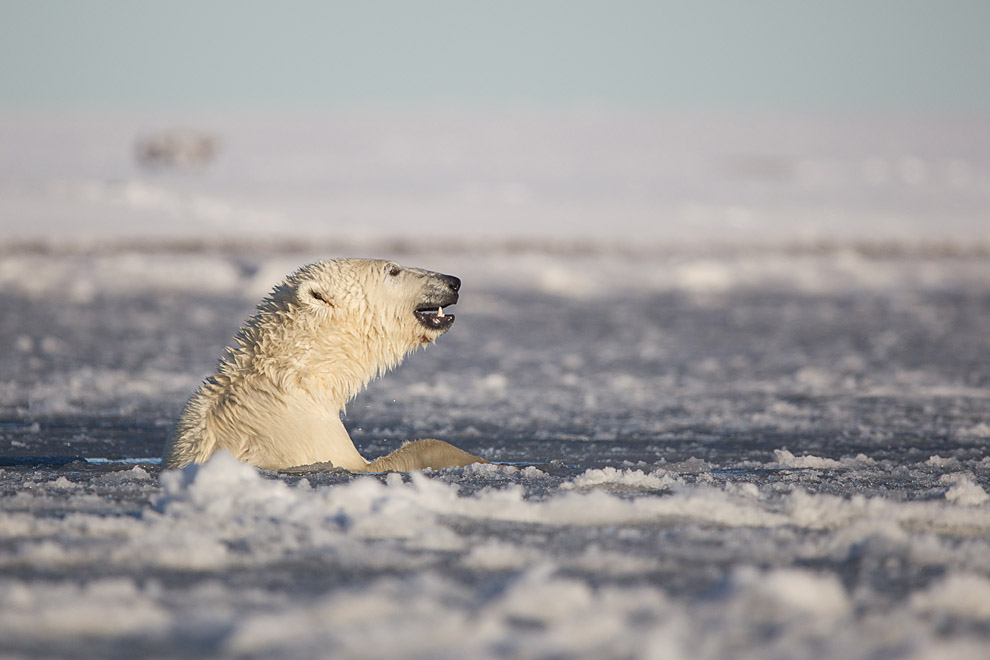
point(440, 311)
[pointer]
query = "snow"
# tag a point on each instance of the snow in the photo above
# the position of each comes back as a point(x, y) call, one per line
point(591, 175)
point(964, 490)
point(414, 565)
point(740, 393)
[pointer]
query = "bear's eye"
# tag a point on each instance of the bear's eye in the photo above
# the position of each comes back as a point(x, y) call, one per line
point(394, 270)
point(319, 296)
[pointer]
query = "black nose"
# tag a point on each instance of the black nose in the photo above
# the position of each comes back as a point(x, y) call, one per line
point(453, 282)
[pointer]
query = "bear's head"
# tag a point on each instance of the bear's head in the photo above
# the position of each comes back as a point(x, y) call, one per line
point(378, 298)
point(349, 318)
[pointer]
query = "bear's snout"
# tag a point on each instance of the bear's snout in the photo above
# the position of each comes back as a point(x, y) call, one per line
point(453, 282)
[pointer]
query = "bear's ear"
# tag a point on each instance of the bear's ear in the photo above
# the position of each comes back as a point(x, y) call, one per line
point(312, 294)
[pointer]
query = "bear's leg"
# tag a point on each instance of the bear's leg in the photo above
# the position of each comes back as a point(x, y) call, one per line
point(422, 454)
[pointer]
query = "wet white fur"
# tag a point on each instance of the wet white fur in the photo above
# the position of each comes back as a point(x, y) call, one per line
point(276, 399)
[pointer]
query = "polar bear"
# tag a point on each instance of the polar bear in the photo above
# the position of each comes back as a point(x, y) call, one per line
point(313, 344)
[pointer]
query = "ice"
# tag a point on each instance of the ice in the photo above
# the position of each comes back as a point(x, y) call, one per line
point(964, 595)
point(735, 372)
point(787, 459)
point(409, 541)
point(625, 479)
point(964, 490)
point(100, 608)
point(792, 592)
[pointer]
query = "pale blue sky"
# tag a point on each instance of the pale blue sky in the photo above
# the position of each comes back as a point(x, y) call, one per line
point(695, 54)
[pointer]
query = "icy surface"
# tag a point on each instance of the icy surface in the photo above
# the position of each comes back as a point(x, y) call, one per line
point(761, 451)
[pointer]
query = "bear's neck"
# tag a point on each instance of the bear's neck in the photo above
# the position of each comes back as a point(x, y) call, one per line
point(331, 379)
point(337, 364)
point(294, 382)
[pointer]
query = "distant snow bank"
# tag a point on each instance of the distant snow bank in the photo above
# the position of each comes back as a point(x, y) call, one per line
point(596, 175)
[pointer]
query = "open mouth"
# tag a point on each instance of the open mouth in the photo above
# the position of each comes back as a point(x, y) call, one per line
point(434, 318)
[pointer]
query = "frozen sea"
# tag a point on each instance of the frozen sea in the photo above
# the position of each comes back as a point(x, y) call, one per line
point(737, 369)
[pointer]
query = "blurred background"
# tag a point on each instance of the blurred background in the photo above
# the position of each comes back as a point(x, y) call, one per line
point(623, 122)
